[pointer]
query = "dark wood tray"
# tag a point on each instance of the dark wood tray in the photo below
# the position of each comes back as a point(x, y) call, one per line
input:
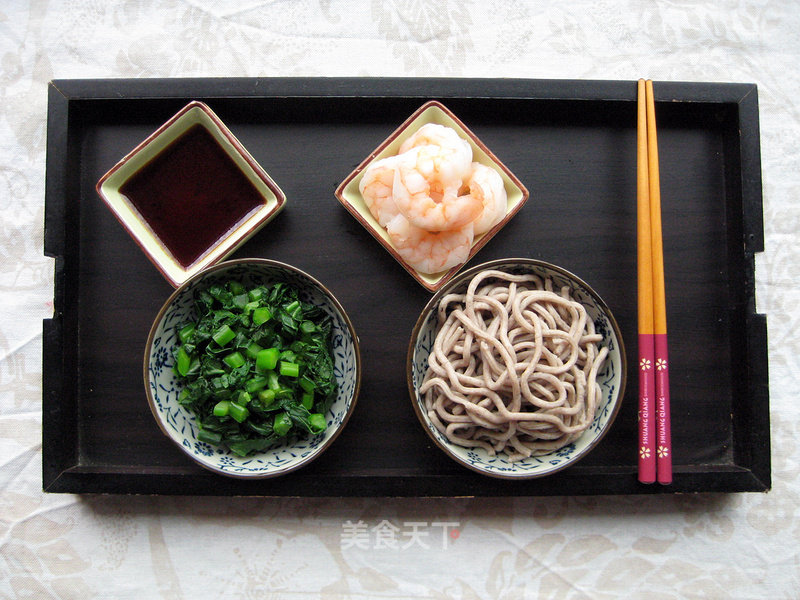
point(572, 143)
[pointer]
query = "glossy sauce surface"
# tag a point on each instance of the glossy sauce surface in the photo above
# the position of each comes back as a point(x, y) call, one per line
point(191, 194)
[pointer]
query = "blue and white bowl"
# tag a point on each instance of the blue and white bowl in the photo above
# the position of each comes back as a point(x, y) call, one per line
point(163, 386)
point(611, 378)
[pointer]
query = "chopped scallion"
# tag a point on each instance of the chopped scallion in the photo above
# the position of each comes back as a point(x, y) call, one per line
point(261, 315)
point(289, 369)
point(186, 333)
point(256, 383)
point(184, 361)
point(267, 359)
point(223, 335)
point(317, 422)
point(254, 362)
point(234, 360)
point(282, 424)
point(221, 408)
point(266, 396)
point(238, 413)
point(253, 349)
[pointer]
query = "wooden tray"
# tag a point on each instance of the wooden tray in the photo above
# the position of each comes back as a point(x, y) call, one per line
point(572, 143)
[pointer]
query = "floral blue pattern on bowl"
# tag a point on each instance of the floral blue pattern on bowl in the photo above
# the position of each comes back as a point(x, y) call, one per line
point(163, 386)
point(611, 378)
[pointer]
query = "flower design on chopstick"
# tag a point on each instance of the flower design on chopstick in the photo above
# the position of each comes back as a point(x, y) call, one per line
point(645, 364)
point(661, 364)
point(644, 452)
point(663, 452)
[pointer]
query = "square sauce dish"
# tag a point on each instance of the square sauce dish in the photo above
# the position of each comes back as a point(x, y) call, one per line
point(190, 194)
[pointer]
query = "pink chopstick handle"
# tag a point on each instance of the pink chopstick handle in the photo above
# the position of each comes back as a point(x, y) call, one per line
point(647, 415)
point(663, 427)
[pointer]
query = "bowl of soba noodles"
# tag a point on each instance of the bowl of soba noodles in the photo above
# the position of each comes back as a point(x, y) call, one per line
point(516, 368)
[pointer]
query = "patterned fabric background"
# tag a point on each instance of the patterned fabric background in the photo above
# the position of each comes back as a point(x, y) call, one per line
point(704, 546)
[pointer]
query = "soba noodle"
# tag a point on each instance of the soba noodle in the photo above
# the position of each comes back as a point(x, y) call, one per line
point(514, 366)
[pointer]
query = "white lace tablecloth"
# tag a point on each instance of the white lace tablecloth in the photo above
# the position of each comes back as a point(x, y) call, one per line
point(707, 546)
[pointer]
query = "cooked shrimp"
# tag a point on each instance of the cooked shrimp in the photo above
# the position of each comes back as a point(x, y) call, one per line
point(376, 189)
point(437, 135)
point(486, 185)
point(453, 155)
point(428, 196)
point(430, 252)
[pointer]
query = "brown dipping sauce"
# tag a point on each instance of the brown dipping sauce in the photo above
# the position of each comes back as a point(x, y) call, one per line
point(191, 194)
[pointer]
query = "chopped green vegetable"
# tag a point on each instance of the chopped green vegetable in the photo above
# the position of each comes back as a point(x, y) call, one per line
point(253, 349)
point(272, 381)
point(256, 383)
point(234, 360)
point(307, 384)
point(261, 315)
point(267, 359)
point(240, 301)
point(186, 333)
point(223, 335)
point(256, 366)
point(184, 361)
point(282, 424)
point(210, 437)
point(317, 422)
point(289, 369)
point(266, 397)
point(238, 413)
point(221, 408)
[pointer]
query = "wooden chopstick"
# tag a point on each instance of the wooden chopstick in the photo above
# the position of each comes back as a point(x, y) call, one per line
point(661, 363)
point(647, 446)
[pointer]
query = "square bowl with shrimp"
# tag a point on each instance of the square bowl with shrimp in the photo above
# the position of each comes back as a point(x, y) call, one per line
point(433, 194)
point(190, 193)
point(252, 368)
point(516, 368)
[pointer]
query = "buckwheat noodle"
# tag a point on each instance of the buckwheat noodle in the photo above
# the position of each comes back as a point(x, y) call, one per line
point(513, 367)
